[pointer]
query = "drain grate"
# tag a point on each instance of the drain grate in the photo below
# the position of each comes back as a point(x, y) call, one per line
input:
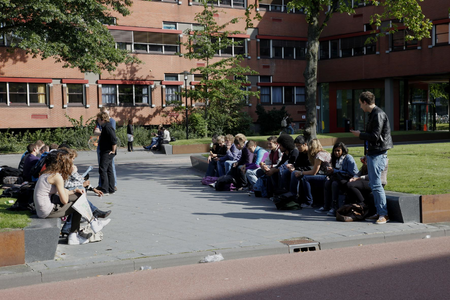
point(301, 245)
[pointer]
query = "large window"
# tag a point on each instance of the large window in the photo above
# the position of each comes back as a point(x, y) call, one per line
point(277, 6)
point(282, 49)
point(346, 47)
point(226, 3)
point(277, 95)
point(398, 41)
point(125, 94)
point(146, 42)
point(172, 90)
point(75, 93)
point(23, 93)
point(441, 34)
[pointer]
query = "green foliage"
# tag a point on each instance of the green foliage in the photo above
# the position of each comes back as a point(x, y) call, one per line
point(437, 90)
point(198, 124)
point(270, 121)
point(222, 87)
point(71, 32)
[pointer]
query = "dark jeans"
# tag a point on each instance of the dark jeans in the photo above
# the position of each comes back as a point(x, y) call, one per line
point(130, 146)
point(358, 191)
point(106, 172)
point(314, 181)
point(212, 169)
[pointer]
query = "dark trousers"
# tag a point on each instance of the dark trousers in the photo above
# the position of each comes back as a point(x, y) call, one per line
point(105, 170)
point(130, 146)
point(61, 210)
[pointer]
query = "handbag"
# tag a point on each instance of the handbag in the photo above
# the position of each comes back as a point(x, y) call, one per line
point(130, 137)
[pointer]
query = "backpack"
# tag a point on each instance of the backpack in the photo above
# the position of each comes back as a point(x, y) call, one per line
point(225, 183)
point(25, 198)
point(9, 171)
point(207, 180)
point(286, 201)
point(284, 123)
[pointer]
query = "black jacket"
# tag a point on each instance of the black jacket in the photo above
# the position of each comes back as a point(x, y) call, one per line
point(378, 132)
point(107, 138)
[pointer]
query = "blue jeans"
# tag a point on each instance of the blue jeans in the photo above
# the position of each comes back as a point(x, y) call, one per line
point(155, 142)
point(252, 176)
point(375, 165)
point(294, 181)
point(221, 167)
point(68, 223)
point(211, 171)
point(228, 164)
point(113, 166)
point(316, 181)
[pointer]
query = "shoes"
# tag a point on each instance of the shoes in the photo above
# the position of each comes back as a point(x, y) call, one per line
point(321, 210)
point(76, 239)
point(372, 218)
point(115, 188)
point(331, 212)
point(213, 185)
point(306, 205)
point(251, 191)
point(382, 220)
point(84, 235)
point(105, 194)
point(97, 225)
point(101, 214)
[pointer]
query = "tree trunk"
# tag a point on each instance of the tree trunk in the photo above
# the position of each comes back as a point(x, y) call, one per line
point(310, 75)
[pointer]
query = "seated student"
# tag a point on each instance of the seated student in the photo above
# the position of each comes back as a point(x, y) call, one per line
point(52, 200)
point(246, 158)
point(213, 158)
point(38, 144)
point(259, 155)
point(76, 181)
point(290, 154)
point(321, 160)
point(30, 161)
point(228, 164)
point(156, 139)
point(343, 167)
point(272, 160)
point(359, 191)
point(231, 154)
point(166, 138)
point(302, 163)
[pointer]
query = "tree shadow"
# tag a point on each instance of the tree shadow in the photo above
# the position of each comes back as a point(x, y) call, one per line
point(11, 56)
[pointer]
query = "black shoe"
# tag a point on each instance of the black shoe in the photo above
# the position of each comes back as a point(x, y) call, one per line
point(101, 214)
point(84, 235)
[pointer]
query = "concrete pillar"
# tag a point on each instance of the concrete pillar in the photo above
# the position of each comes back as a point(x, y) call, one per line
point(389, 100)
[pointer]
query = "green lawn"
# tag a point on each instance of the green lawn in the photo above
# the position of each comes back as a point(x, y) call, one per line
point(12, 219)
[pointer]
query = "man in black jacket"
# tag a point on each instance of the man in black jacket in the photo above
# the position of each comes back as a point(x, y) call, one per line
point(377, 140)
point(107, 145)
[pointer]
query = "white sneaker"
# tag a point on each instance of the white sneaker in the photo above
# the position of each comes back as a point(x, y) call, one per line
point(97, 225)
point(321, 210)
point(213, 185)
point(76, 239)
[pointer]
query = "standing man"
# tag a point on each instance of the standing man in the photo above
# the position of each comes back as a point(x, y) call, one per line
point(377, 140)
point(107, 145)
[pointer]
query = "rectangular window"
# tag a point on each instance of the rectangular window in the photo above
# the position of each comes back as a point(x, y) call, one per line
point(300, 95)
point(126, 95)
point(265, 78)
point(37, 93)
point(171, 94)
point(442, 34)
point(277, 48)
point(75, 93)
point(277, 95)
point(335, 49)
point(264, 48)
point(170, 25)
point(300, 49)
point(347, 46)
point(18, 93)
point(109, 94)
point(289, 95)
point(155, 42)
point(3, 96)
point(265, 94)
point(141, 94)
point(344, 107)
point(289, 49)
point(239, 46)
point(324, 50)
point(399, 42)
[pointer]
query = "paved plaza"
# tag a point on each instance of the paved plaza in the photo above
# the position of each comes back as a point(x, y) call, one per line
point(162, 216)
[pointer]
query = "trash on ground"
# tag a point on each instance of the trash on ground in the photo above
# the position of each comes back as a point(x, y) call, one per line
point(212, 258)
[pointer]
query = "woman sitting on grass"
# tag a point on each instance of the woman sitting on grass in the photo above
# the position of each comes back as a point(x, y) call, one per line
point(52, 200)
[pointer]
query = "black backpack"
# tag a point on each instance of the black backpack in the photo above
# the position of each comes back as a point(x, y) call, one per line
point(224, 183)
point(286, 201)
point(8, 171)
point(25, 198)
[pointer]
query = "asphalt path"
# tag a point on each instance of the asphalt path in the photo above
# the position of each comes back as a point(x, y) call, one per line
point(416, 269)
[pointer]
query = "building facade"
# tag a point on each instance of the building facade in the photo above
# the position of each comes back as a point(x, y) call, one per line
point(37, 93)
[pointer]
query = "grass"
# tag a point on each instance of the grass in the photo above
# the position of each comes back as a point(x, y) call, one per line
point(12, 219)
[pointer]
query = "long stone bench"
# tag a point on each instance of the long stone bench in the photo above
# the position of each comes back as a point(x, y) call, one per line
point(166, 149)
point(402, 207)
point(41, 239)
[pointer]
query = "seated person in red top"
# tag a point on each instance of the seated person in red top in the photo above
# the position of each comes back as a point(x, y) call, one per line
point(268, 167)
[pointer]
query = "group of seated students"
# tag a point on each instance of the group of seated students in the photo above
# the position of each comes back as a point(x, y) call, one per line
point(161, 137)
point(304, 169)
point(57, 187)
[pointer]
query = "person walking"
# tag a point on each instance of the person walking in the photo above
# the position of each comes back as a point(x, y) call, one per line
point(130, 135)
point(377, 139)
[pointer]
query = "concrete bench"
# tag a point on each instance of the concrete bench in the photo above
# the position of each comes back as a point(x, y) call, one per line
point(199, 162)
point(166, 149)
point(403, 207)
point(41, 239)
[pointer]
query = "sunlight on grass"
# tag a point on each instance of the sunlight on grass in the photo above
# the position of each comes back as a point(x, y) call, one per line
point(12, 219)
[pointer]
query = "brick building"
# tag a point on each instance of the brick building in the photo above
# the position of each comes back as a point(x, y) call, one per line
point(37, 93)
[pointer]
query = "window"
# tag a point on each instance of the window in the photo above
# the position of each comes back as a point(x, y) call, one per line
point(23, 93)
point(170, 25)
point(75, 93)
point(277, 6)
point(230, 3)
point(398, 41)
point(235, 46)
point(125, 94)
point(346, 47)
point(276, 95)
point(324, 50)
point(282, 49)
point(265, 78)
point(172, 94)
point(155, 42)
point(442, 34)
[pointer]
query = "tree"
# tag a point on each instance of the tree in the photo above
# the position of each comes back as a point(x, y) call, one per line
point(319, 12)
point(72, 32)
point(223, 84)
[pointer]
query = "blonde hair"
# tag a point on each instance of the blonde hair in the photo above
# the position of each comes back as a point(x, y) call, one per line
point(314, 147)
point(241, 136)
point(229, 137)
point(220, 139)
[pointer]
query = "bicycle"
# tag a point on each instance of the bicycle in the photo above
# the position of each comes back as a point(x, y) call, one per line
point(93, 143)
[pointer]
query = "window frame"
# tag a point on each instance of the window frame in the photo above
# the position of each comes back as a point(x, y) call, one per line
point(27, 93)
point(117, 93)
point(435, 35)
point(68, 93)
